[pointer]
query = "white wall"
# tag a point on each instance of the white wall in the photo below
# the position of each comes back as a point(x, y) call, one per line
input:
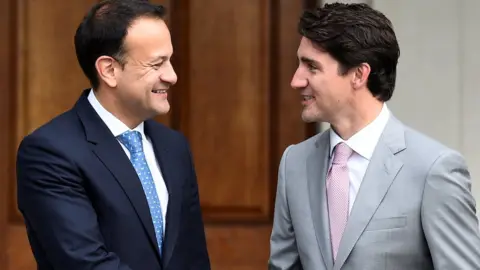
point(470, 87)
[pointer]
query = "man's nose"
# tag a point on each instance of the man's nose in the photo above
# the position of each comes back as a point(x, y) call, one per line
point(298, 81)
point(169, 76)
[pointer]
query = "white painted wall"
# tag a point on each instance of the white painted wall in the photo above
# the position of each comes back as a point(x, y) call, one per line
point(470, 87)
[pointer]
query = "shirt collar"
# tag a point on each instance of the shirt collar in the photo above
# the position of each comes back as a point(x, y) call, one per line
point(116, 126)
point(364, 141)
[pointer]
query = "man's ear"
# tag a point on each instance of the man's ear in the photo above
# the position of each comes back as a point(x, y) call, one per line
point(360, 76)
point(105, 66)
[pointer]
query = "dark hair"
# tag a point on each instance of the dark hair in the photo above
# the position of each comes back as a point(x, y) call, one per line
point(103, 31)
point(353, 34)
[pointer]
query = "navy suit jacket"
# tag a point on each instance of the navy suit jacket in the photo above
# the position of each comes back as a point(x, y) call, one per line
point(84, 206)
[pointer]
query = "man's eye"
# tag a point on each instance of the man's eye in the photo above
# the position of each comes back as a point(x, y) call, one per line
point(311, 67)
point(157, 66)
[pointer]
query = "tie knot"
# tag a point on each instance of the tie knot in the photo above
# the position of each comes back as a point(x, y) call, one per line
point(132, 140)
point(342, 153)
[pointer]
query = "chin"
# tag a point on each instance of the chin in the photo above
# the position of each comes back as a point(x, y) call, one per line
point(162, 110)
point(309, 117)
point(160, 107)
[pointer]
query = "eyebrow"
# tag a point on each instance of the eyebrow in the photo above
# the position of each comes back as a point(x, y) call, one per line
point(158, 58)
point(310, 61)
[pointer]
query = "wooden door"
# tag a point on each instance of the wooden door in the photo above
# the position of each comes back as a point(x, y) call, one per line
point(234, 60)
point(5, 123)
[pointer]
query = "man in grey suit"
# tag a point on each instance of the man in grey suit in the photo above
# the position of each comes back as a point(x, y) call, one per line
point(369, 193)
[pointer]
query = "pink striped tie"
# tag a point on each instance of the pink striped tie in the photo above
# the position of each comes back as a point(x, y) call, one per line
point(338, 183)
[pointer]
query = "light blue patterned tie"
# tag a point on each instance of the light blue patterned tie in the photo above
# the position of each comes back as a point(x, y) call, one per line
point(133, 142)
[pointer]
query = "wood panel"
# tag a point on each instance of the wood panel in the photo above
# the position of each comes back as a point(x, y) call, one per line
point(6, 147)
point(227, 107)
point(238, 247)
point(19, 253)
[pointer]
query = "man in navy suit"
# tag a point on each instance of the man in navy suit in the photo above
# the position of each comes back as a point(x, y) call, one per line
point(102, 186)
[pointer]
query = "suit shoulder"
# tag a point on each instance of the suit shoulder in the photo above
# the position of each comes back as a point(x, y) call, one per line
point(310, 142)
point(301, 149)
point(424, 145)
point(57, 129)
point(427, 150)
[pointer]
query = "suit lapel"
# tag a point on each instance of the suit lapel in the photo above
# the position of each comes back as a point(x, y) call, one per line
point(110, 153)
point(381, 172)
point(167, 167)
point(317, 166)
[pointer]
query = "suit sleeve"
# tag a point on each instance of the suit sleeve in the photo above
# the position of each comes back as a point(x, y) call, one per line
point(449, 215)
point(283, 247)
point(59, 216)
point(199, 258)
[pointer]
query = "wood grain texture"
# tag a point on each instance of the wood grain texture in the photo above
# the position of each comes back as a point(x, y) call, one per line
point(227, 114)
point(18, 252)
point(238, 247)
point(6, 119)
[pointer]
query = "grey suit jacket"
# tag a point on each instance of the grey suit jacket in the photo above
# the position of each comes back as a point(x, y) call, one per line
point(414, 209)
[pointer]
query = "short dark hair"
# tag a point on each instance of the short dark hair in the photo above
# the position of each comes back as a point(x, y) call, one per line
point(103, 31)
point(353, 34)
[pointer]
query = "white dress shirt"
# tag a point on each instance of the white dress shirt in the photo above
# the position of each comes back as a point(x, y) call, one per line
point(363, 144)
point(117, 127)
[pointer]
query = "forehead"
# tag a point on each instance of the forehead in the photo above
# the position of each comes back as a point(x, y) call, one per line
point(148, 36)
point(307, 49)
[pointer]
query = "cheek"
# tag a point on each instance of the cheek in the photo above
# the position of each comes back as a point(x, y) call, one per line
point(150, 80)
point(320, 87)
point(326, 93)
point(139, 86)
point(128, 80)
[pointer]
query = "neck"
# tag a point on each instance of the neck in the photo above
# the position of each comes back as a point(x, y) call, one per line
point(112, 104)
point(358, 117)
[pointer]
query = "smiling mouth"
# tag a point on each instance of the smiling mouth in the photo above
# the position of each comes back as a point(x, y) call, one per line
point(159, 91)
point(307, 98)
